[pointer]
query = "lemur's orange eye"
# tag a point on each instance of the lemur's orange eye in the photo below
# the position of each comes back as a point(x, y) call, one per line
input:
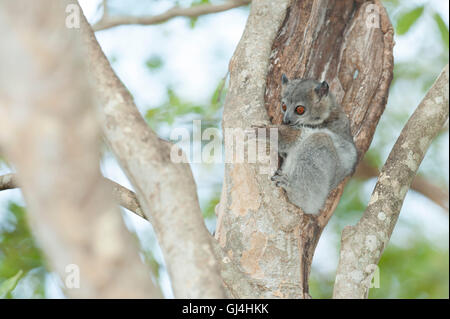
point(300, 109)
point(284, 107)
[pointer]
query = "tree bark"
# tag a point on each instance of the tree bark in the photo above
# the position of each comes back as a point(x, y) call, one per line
point(50, 133)
point(265, 244)
point(166, 191)
point(420, 184)
point(347, 43)
point(363, 244)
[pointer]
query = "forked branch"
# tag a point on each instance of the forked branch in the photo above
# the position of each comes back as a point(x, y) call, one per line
point(363, 244)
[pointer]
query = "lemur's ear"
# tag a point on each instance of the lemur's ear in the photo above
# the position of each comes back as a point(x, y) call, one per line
point(284, 79)
point(322, 89)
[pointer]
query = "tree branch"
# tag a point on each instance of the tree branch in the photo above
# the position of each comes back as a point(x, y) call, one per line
point(110, 21)
point(242, 230)
point(166, 190)
point(122, 195)
point(270, 239)
point(8, 181)
point(363, 244)
point(236, 282)
point(53, 140)
point(105, 8)
point(420, 184)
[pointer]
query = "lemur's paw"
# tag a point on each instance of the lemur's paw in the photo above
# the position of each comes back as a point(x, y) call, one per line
point(261, 124)
point(281, 180)
point(280, 184)
point(277, 172)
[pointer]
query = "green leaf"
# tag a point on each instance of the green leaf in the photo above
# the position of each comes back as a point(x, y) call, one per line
point(112, 59)
point(425, 275)
point(193, 22)
point(19, 252)
point(210, 209)
point(152, 262)
point(154, 63)
point(9, 284)
point(443, 29)
point(199, 2)
point(153, 113)
point(391, 2)
point(407, 19)
point(217, 95)
point(172, 109)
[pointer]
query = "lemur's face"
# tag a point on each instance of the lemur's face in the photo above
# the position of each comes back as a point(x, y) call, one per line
point(304, 102)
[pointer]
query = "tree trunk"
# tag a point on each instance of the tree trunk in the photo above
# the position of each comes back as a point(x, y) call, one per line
point(349, 44)
point(363, 244)
point(166, 191)
point(51, 134)
point(265, 244)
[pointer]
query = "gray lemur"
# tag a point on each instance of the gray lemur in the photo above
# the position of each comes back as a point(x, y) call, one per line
point(321, 152)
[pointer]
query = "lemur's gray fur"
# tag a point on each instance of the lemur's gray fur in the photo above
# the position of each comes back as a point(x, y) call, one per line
point(322, 154)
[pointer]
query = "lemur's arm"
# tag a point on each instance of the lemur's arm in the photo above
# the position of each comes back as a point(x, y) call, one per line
point(287, 136)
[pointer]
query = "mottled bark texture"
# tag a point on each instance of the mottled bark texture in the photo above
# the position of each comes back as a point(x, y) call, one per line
point(363, 244)
point(347, 43)
point(420, 184)
point(50, 133)
point(166, 191)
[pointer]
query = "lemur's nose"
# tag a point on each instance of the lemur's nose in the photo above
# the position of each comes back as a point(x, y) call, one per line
point(286, 121)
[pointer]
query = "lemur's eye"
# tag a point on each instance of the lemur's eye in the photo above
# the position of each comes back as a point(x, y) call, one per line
point(300, 109)
point(284, 107)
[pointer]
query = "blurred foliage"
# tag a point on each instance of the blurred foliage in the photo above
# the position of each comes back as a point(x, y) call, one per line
point(422, 274)
point(405, 15)
point(154, 63)
point(351, 205)
point(172, 109)
point(373, 158)
point(19, 255)
point(176, 108)
point(443, 29)
point(407, 19)
point(193, 21)
point(3, 161)
point(199, 2)
point(150, 260)
point(209, 210)
point(8, 285)
point(418, 271)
